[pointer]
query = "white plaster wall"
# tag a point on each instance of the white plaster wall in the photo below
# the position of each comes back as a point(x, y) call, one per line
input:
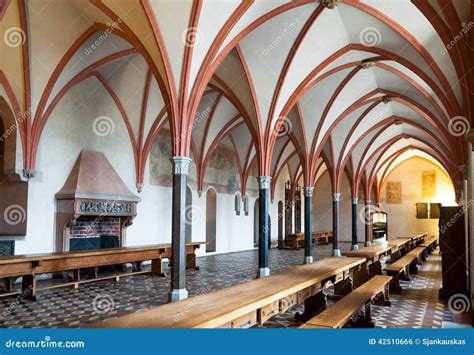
point(70, 130)
point(322, 209)
point(402, 217)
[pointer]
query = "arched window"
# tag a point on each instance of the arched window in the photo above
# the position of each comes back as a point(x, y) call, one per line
point(211, 211)
point(237, 204)
point(189, 211)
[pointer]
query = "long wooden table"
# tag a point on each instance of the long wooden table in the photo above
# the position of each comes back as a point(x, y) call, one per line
point(372, 254)
point(247, 304)
point(28, 266)
point(416, 239)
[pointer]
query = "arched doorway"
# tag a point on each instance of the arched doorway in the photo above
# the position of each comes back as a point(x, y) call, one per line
point(256, 214)
point(211, 219)
point(188, 231)
point(13, 191)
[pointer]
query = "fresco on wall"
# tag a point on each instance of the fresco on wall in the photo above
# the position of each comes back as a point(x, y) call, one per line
point(393, 192)
point(222, 172)
point(160, 164)
point(428, 184)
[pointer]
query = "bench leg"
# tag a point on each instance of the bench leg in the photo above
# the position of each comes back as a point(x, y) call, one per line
point(383, 298)
point(191, 262)
point(395, 256)
point(137, 266)
point(313, 305)
point(342, 288)
point(395, 282)
point(157, 267)
point(28, 287)
point(413, 269)
point(6, 284)
point(361, 276)
point(375, 268)
point(362, 319)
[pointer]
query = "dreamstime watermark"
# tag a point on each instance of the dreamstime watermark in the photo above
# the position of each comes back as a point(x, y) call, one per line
point(361, 314)
point(198, 118)
point(46, 343)
point(8, 131)
point(103, 126)
point(191, 37)
point(458, 126)
point(103, 303)
point(289, 27)
point(191, 304)
point(457, 216)
point(14, 37)
point(19, 299)
point(192, 214)
point(14, 214)
point(102, 37)
point(370, 37)
point(284, 126)
point(464, 32)
point(459, 303)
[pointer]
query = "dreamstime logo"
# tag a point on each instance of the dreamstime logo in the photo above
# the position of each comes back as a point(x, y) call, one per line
point(103, 126)
point(364, 215)
point(466, 28)
point(284, 126)
point(14, 214)
point(14, 37)
point(103, 303)
point(458, 126)
point(459, 303)
point(370, 37)
point(191, 37)
point(192, 214)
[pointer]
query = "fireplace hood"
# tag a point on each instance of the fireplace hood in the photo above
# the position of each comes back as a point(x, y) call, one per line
point(93, 177)
point(92, 189)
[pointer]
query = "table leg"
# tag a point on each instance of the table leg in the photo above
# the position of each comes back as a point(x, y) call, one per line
point(157, 267)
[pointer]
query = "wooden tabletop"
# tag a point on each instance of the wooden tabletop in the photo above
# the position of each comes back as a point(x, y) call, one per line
point(216, 308)
point(398, 242)
point(369, 252)
point(59, 255)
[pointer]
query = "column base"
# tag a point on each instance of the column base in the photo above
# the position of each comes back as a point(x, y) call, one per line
point(178, 294)
point(355, 247)
point(263, 271)
point(367, 244)
point(336, 252)
point(308, 259)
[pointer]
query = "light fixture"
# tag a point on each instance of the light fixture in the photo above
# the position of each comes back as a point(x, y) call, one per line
point(330, 4)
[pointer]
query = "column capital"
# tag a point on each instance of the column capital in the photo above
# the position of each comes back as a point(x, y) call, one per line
point(308, 191)
point(336, 196)
point(264, 181)
point(180, 165)
point(355, 200)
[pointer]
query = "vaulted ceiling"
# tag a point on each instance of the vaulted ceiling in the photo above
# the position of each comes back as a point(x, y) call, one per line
point(349, 87)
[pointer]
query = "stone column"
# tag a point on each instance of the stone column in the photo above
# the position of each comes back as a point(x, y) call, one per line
point(264, 194)
point(355, 216)
point(178, 237)
point(308, 224)
point(368, 224)
point(335, 223)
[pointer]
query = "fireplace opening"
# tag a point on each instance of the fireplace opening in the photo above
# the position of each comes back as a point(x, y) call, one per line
point(94, 207)
point(89, 233)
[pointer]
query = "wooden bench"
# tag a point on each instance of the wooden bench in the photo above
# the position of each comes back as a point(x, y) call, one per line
point(323, 237)
point(28, 266)
point(399, 248)
point(373, 255)
point(246, 304)
point(295, 241)
point(403, 267)
point(354, 309)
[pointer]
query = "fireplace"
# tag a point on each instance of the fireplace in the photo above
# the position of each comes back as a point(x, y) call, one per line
point(94, 207)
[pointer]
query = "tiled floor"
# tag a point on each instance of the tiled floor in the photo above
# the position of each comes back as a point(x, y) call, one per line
point(417, 306)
